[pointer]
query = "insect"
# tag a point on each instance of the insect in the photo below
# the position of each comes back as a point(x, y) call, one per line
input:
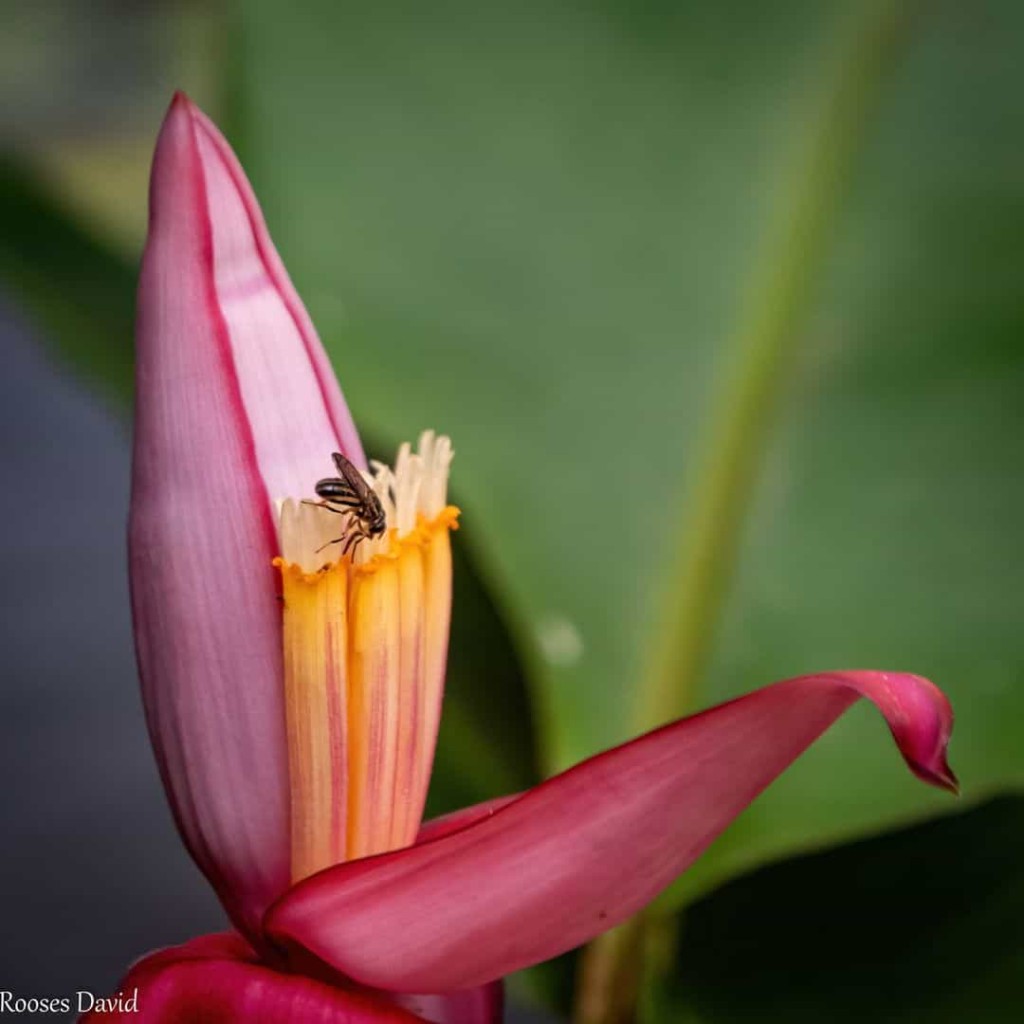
point(349, 494)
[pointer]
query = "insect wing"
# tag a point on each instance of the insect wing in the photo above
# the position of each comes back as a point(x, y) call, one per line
point(351, 489)
point(351, 476)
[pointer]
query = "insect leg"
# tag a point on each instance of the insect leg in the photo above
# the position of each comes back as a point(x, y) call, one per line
point(353, 541)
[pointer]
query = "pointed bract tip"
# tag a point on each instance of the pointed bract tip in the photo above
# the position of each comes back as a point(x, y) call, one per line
point(182, 108)
point(946, 779)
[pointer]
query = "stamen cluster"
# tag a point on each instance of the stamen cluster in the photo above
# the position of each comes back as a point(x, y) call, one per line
point(416, 486)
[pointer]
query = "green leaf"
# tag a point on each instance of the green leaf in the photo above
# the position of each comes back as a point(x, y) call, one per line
point(81, 291)
point(884, 532)
point(526, 229)
point(919, 927)
point(543, 229)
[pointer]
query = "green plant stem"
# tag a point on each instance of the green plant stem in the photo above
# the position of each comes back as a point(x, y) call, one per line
point(610, 976)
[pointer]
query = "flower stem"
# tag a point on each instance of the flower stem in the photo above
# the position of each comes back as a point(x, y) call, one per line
point(610, 976)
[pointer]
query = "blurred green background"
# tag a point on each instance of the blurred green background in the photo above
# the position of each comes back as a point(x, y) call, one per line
point(723, 307)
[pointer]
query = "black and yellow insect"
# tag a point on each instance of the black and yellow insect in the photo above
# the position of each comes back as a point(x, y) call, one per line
point(350, 495)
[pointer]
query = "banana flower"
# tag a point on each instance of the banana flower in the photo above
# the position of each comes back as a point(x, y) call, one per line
point(293, 689)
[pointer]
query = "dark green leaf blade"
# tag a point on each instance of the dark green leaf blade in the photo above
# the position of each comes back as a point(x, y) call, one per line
point(919, 927)
point(80, 290)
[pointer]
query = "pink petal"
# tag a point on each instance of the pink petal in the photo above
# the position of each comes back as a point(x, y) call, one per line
point(456, 821)
point(482, 1005)
point(585, 850)
point(217, 980)
point(235, 404)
